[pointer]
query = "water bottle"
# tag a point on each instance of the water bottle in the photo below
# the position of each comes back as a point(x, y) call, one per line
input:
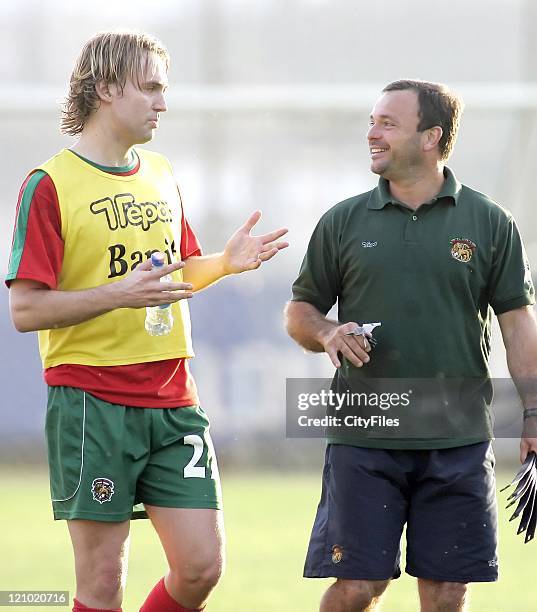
point(159, 319)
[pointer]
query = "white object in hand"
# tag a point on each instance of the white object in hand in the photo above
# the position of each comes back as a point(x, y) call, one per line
point(159, 319)
point(362, 330)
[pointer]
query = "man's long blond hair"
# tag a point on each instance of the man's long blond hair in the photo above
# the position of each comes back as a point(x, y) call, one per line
point(110, 57)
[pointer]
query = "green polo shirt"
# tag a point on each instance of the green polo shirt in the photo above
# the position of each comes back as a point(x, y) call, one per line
point(432, 277)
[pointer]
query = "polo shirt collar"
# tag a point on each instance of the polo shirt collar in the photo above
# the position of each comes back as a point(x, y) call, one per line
point(382, 196)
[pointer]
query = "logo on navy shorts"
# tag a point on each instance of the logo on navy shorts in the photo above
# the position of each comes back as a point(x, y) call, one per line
point(102, 490)
point(337, 553)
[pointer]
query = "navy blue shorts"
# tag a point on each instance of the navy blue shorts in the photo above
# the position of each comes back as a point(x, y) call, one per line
point(446, 498)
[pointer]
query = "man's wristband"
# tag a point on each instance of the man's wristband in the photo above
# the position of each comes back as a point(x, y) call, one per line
point(530, 412)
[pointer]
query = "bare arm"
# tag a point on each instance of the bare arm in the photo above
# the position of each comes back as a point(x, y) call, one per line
point(242, 252)
point(314, 332)
point(35, 306)
point(519, 332)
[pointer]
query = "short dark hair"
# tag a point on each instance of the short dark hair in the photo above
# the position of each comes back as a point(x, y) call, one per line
point(438, 105)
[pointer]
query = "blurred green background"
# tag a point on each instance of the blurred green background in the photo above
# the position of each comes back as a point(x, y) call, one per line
point(268, 521)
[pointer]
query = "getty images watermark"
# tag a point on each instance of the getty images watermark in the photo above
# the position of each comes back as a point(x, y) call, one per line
point(386, 408)
point(341, 402)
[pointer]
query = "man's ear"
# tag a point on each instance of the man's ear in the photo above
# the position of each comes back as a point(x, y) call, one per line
point(432, 137)
point(103, 91)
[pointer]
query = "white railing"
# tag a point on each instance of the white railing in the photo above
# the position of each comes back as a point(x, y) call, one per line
point(304, 97)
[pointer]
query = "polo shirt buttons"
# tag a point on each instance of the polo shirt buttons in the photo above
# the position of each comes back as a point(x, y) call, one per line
point(414, 217)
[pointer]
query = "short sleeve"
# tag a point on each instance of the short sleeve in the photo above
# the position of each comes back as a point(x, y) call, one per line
point(37, 248)
point(510, 282)
point(190, 245)
point(318, 281)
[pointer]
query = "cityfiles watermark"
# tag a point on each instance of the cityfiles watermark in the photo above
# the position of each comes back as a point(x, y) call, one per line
point(329, 421)
point(405, 409)
point(314, 409)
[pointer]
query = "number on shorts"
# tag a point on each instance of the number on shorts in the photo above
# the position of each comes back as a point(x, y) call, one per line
point(191, 469)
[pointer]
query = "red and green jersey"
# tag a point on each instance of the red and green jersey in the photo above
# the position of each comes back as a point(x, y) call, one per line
point(37, 254)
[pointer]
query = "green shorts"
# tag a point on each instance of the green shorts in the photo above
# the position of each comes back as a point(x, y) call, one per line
point(105, 459)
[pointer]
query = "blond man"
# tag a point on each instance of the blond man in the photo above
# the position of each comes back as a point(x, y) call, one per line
point(126, 435)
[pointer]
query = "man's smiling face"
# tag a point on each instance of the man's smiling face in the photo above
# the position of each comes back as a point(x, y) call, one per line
point(395, 145)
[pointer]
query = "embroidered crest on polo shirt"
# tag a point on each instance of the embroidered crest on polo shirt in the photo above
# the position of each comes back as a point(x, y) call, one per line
point(462, 249)
point(102, 490)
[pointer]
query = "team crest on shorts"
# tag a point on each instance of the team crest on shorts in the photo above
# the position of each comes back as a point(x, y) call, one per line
point(462, 249)
point(337, 553)
point(102, 490)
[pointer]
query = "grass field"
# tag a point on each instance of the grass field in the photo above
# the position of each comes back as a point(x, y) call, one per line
point(268, 519)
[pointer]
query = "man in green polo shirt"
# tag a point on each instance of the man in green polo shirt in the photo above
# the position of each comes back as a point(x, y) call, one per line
point(430, 259)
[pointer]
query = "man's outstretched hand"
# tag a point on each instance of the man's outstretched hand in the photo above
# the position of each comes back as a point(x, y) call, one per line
point(246, 252)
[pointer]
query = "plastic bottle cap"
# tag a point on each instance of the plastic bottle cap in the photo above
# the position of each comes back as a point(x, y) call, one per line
point(157, 259)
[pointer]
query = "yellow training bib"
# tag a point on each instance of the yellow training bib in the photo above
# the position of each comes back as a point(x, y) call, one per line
point(111, 223)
